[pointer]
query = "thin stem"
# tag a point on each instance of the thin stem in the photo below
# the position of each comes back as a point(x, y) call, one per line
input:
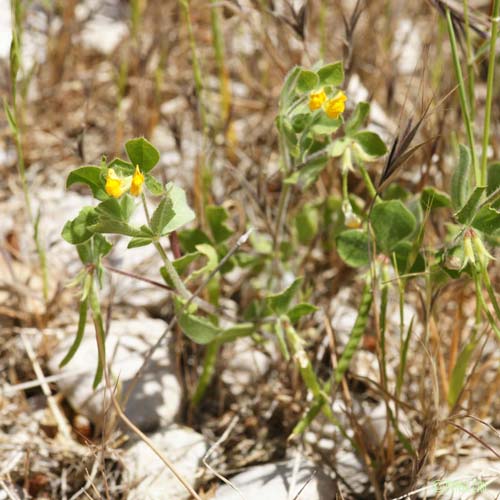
point(368, 182)
point(489, 91)
point(218, 43)
point(470, 59)
point(198, 80)
point(169, 267)
point(463, 97)
point(172, 273)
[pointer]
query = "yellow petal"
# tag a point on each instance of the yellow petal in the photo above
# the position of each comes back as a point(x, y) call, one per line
point(137, 182)
point(335, 107)
point(316, 99)
point(114, 184)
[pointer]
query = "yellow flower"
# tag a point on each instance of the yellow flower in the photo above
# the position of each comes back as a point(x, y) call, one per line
point(114, 184)
point(335, 107)
point(137, 182)
point(316, 99)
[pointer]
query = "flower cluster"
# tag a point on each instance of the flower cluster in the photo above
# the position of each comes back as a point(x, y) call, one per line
point(333, 107)
point(116, 186)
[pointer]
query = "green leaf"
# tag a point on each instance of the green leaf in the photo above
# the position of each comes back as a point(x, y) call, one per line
point(189, 238)
point(79, 230)
point(216, 218)
point(101, 246)
point(198, 329)
point(141, 152)
point(82, 320)
point(306, 223)
point(487, 220)
point(121, 166)
point(300, 310)
point(406, 261)
point(212, 260)
point(323, 125)
point(458, 373)
point(370, 143)
point(308, 174)
point(139, 242)
point(470, 209)
point(183, 212)
point(432, 198)
point(237, 331)
point(337, 147)
point(154, 186)
point(287, 94)
point(357, 118)
point(128, 205)
point(113, 226)
point(95, 307)
point(331, 74)
point(307, 81)
point(163, 214)
point(392, 222)
point(110, 208)
point(181, 264)
point(300, 122)
point(460, 182)
point(352, 246)
point(91, 176)
point(85, 252)
point(10, 117)
point(280, 302)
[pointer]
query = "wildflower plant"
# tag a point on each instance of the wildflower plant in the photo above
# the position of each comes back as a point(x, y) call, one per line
point(117, 186)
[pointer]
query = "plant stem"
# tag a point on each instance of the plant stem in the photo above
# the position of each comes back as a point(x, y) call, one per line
point(489, 91)
point(463, 97)
point(470, 61)
point(169, 267)
point(198, 80)
point(368, 182)
point(218, 43)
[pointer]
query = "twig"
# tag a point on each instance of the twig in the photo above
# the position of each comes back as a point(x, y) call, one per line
point(61, 422)
point(88, 482)
point(219, 441)
point(10, 494)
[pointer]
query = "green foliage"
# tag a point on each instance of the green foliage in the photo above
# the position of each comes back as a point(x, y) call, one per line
point(306, 81)
point(306, 223)
point(358, 117)
point(392, 222)
point(432, 198)
point(331, 74)
point(280, 302)
point(141, 152)
point(371, 144)
point(163, 214)
point(217, 217)
point(198, 329)
point(299, 311)
point(78, 231)
point(82, 320)
point(352, 246)
point(460, 182)
point(469, 210)
point(458, 373)
point(487, 220)
point(183, 213)
point(92, 176)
